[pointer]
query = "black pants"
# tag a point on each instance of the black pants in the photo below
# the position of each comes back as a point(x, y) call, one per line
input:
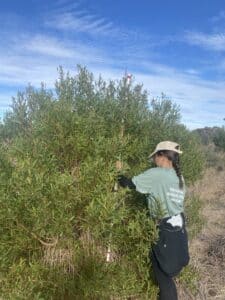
point(167, 287)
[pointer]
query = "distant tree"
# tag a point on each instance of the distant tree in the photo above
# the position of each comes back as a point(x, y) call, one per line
point(207, 134)
point(219, 138)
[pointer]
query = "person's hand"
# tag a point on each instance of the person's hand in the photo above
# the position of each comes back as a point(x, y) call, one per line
point(119, 165)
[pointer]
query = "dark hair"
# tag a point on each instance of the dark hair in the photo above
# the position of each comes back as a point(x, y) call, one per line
point(175, 159)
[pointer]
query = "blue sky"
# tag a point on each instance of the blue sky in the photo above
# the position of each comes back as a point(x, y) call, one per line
point(173, 47)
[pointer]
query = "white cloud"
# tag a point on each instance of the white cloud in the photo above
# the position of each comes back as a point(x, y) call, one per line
point(219, 17)
point(48, 46)
point(66, 49)
point(192, 72)
point(35, 59)
point(209, 41)
point(80, 21)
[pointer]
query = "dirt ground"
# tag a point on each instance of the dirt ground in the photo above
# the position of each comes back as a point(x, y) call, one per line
point(207, 250)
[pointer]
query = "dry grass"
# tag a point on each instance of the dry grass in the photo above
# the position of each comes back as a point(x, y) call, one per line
point(208, 249)
point(59, 257)
point(64, 255)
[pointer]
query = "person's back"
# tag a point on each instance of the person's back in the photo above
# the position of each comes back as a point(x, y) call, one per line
point(161, 185)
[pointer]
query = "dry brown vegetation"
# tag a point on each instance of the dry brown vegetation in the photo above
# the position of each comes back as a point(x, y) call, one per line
point(208, 248)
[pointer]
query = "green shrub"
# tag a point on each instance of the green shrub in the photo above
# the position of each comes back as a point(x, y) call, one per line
point(219, 138)
point(195, 219)
point(189, 278)
point(59, 214)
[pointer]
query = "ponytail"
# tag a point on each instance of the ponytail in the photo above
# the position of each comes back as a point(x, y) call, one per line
point(176, 166)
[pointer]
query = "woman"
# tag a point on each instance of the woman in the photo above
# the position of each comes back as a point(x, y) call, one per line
point(165, 189)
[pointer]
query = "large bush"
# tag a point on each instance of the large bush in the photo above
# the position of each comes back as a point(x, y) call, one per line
point(59, 213)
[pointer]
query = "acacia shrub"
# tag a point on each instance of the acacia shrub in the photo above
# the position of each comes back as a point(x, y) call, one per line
point(59, 213)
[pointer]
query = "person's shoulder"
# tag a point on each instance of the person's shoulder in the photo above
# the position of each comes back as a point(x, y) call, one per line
point(152, 171)
point(160, 172)
point(155, 170)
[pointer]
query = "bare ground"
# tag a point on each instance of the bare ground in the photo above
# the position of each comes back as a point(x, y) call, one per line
point(207, 250)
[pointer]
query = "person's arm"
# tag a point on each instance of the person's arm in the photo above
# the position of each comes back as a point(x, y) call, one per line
point(144, 182)
point(123, 180)
point(126, 182)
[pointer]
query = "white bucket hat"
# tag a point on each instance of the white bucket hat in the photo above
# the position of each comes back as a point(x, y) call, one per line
point(166, 145)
